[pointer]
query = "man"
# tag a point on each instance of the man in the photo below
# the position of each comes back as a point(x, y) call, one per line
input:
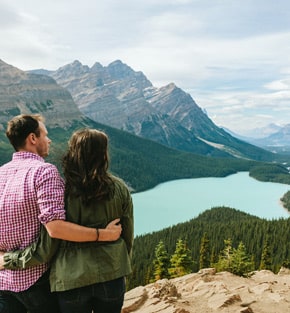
point(31, 194)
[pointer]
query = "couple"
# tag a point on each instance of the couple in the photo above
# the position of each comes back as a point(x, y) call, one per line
point(87, 268)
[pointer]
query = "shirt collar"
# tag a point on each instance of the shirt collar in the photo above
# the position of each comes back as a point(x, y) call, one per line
point(26, 155)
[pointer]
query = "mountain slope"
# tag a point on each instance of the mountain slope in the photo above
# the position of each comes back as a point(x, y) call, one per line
point(118, 96)
point(142, 163)
point(31, 93)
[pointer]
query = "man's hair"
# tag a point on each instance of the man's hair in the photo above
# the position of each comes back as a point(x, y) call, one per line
point(19, 127)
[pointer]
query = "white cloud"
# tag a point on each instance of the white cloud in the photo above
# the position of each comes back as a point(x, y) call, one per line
point(233, 57)
point(283, 84)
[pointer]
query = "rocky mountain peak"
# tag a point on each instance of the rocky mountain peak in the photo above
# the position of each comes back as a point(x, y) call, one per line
point(121, 71)
point(74, 69)
point(97, 67)
point(10, 74)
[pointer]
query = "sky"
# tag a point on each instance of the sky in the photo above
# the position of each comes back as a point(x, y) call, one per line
point(232, 57)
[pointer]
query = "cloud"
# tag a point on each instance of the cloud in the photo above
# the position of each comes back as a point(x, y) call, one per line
point(232, 57)
point(283, 84)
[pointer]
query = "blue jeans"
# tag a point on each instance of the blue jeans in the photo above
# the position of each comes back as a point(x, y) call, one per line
point(36, 299)
point(107, 297)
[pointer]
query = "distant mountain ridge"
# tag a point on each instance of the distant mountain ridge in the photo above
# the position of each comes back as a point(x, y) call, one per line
point(279, 138)
point(272, 137)
point(258, 132)
point(118, 96)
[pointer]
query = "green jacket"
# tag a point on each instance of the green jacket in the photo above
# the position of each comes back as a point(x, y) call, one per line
point(76, 265)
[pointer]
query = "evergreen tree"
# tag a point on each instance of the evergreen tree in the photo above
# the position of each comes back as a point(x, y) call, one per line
point(266, 259)
point(241, 263)
point(286, 264)
point(181, 261)
point(204, 252)
point(225, 257)
point(161, 262)
point(213, 258)
point(148, 275)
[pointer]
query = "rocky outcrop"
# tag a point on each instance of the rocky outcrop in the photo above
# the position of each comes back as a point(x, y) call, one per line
point(208, 292)
point(22, 92)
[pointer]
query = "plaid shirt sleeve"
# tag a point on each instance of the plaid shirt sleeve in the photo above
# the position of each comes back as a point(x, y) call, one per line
point(50, 194)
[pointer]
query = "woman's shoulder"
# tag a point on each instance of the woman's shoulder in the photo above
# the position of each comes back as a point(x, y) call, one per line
point(119, 183)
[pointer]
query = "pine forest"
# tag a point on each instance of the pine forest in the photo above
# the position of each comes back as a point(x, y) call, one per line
point(222, 237)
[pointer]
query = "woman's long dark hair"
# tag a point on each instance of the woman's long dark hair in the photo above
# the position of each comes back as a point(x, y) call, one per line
point(85, 166)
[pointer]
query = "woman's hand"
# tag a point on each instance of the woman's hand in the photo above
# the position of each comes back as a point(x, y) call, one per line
point(1, 260)
point(112, 232)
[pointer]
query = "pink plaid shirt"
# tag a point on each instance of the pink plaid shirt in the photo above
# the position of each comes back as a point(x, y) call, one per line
point(31, 194)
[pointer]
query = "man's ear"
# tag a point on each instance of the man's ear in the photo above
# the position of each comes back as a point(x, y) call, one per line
point(31, 138)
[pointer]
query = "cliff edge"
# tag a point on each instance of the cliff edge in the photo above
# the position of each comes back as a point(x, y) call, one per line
point(208, 292)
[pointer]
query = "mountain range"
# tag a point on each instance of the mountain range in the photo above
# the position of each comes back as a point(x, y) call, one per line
point(99, 87)
point(122, 98)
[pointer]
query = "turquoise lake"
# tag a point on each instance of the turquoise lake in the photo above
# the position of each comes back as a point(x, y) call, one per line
point(181, 200)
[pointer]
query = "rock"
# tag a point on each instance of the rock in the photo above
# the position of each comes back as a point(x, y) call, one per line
point(134, 299)
point(209, 292)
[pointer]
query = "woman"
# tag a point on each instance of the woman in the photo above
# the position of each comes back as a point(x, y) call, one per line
point(90, 276)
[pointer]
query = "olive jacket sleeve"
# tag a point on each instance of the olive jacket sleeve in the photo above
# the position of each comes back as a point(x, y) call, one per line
point(41, 251)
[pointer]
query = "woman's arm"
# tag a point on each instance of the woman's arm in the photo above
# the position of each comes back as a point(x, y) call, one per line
point(37, 253)
point(61, 229)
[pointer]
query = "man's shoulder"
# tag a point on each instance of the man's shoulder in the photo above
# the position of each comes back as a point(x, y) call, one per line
point(3, 166)
point(47, 167)
point(40, 169)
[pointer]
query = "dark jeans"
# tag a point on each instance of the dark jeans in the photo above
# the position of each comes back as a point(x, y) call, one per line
point(107, 297)
point(9, 304)
point(36, 299)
